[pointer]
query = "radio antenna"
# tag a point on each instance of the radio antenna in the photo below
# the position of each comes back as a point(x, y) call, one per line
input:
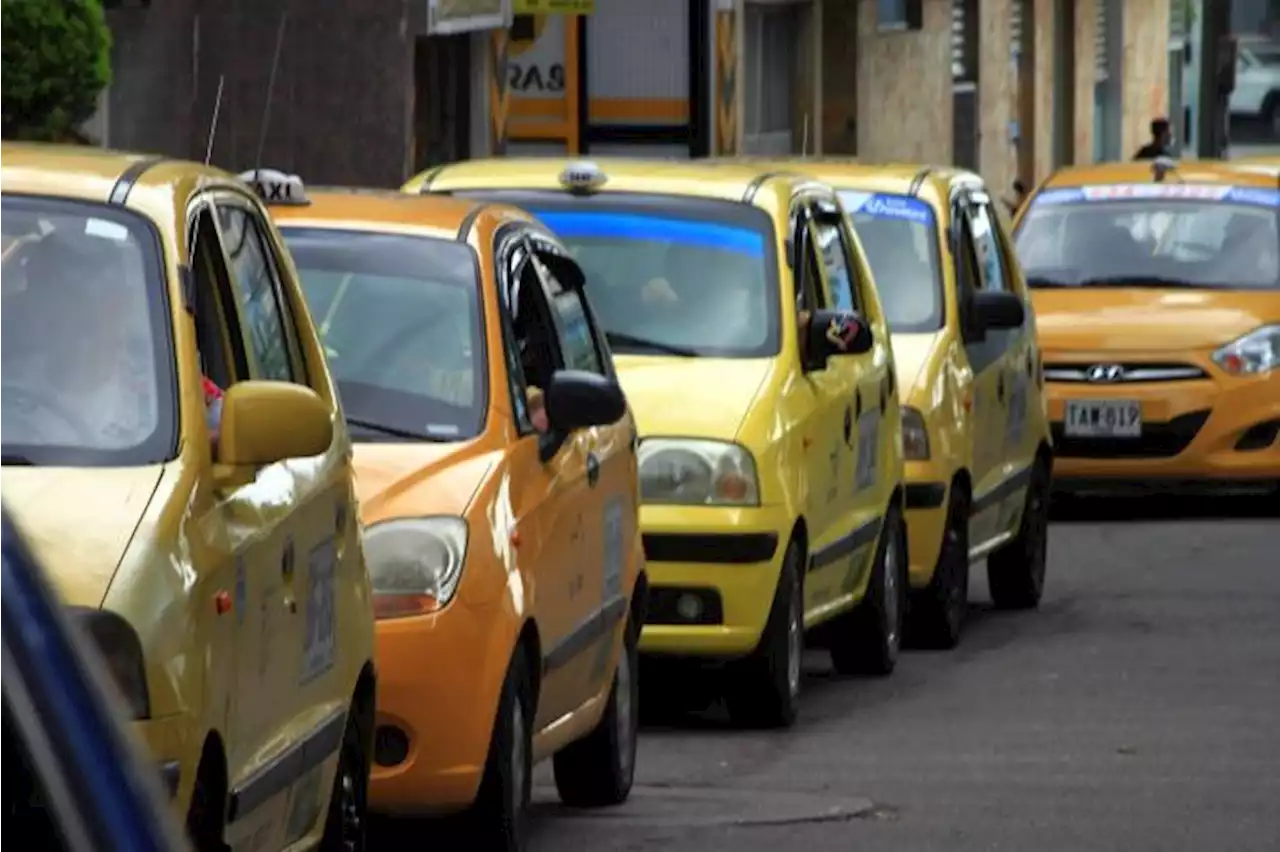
point(271, 86)
point(213, 123)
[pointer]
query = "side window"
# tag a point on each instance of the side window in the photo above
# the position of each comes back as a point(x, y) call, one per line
point(811, 290)
point(533, 328)
point(221, 350)
point(986, 245)
point(573, 326)
point(269, 333)
point(835, 252)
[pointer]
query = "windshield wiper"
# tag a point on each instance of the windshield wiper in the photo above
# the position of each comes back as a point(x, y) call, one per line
point(1154, 281)
point(407, 434)
point(10, 460)
point(624, 339)
point(1036, 281)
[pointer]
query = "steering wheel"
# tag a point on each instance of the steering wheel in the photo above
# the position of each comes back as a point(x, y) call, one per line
point(23, 401)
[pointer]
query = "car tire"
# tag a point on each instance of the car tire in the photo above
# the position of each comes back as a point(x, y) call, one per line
point(598, 770)
point(207, 813)
point(498, 819)
point(938, 611)
point(867, 640)
point(1016, 571)
point(764, 689)
point(346, 825)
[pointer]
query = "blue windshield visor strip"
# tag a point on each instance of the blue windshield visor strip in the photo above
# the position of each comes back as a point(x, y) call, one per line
point(884, 206)
point(1253, 196)
point(628, 226)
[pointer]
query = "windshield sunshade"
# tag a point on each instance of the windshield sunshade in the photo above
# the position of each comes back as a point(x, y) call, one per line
point(401, 324)
point(899, 235)
point(87, 364)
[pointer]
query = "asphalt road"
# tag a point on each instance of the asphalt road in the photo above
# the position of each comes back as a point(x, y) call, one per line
point(1138, 709)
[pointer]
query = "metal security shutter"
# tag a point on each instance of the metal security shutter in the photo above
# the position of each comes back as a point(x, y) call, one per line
point(1100, 42)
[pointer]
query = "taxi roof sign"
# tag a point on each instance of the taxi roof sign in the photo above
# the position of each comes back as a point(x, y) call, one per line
point(276, 187)
point(1161, 167)
point(583, 177)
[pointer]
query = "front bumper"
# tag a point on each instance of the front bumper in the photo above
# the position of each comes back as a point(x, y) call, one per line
point(1217, 427)
point(439, 677)
point(712, 576)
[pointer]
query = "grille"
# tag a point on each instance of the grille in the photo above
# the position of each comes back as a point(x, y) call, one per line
point(1158, 441)
point(1119, 372)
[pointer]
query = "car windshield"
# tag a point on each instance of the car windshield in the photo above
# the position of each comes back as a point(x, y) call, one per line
point(900, 238)
point(670, 275)
point(87, 372)
point(401, 324)
point(1198, 237)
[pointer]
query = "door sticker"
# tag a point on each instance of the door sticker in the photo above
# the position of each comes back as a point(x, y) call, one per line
point(318, 644)
point(613, 556)
point(864, 472)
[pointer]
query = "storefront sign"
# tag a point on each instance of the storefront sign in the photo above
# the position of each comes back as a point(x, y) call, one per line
point(445, 17)
point(554, 7)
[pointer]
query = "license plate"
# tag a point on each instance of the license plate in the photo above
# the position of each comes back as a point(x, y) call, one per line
point(1103, 419)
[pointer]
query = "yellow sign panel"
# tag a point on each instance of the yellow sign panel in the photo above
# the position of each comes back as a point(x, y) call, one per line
point(456, 16)
point(553, 7)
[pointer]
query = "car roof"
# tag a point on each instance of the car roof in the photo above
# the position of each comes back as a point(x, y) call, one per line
point(889, 178)
point(356, 208)
point(1190, 171)
point(698, 178)
point(92, 174)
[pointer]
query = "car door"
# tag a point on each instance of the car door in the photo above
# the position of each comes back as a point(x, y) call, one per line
point(250, 540)
point(831, 452)
point(549, 489)
point(977, 269)
point(1018, 358)
point(304, 503)
point(609, 513)
point(864, 429)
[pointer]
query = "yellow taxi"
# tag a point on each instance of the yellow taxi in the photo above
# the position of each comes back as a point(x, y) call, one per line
point(1157, 287)
point(976, 439)
point(497, 477)
point(174, 456)
point(755, 354)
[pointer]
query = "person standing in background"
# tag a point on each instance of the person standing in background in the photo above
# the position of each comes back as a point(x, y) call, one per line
point(1161, 144)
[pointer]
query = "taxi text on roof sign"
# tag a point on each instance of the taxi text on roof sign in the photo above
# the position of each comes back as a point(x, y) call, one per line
point(554, 7)
point(276, 187)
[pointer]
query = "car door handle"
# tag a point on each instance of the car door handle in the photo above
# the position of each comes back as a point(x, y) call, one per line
point(848, 424)
point(593, 469)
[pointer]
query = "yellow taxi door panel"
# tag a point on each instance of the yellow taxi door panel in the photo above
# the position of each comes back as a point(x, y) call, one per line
point(253, 523)
point(308, 714)
point(556, 492)
point(862, 427)
point(998, 498)
point(832, 449)
point(606, 451)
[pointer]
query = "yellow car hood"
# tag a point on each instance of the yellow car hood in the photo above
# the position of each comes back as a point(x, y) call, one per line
point(79, 521)
point(388, 476)
point(691, 397)
point(1103, 319)
point(911, 352)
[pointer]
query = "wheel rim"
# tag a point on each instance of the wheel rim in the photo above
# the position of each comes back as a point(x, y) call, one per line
point(352, 819)
point(795, 644)
point(622, 700)
point(891, 592)
point(518, 761)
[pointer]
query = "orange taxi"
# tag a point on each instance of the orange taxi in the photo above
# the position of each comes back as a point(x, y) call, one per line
point(1157, 295)
point(495, 464)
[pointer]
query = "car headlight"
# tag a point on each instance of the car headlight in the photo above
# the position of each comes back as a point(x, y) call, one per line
point(1256, 352)
point(915, 435)
point(121, 651)
point(689, 472)
point(414, 564)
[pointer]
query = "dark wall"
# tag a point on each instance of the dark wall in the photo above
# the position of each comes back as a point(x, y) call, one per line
point(341, 104)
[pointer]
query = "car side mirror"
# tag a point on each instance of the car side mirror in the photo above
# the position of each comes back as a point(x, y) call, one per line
point(998, 310)
point(267, 422)
point(576, 399)
point(834, 334)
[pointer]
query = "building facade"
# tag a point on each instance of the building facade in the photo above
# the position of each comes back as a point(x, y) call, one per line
point(369, 91)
